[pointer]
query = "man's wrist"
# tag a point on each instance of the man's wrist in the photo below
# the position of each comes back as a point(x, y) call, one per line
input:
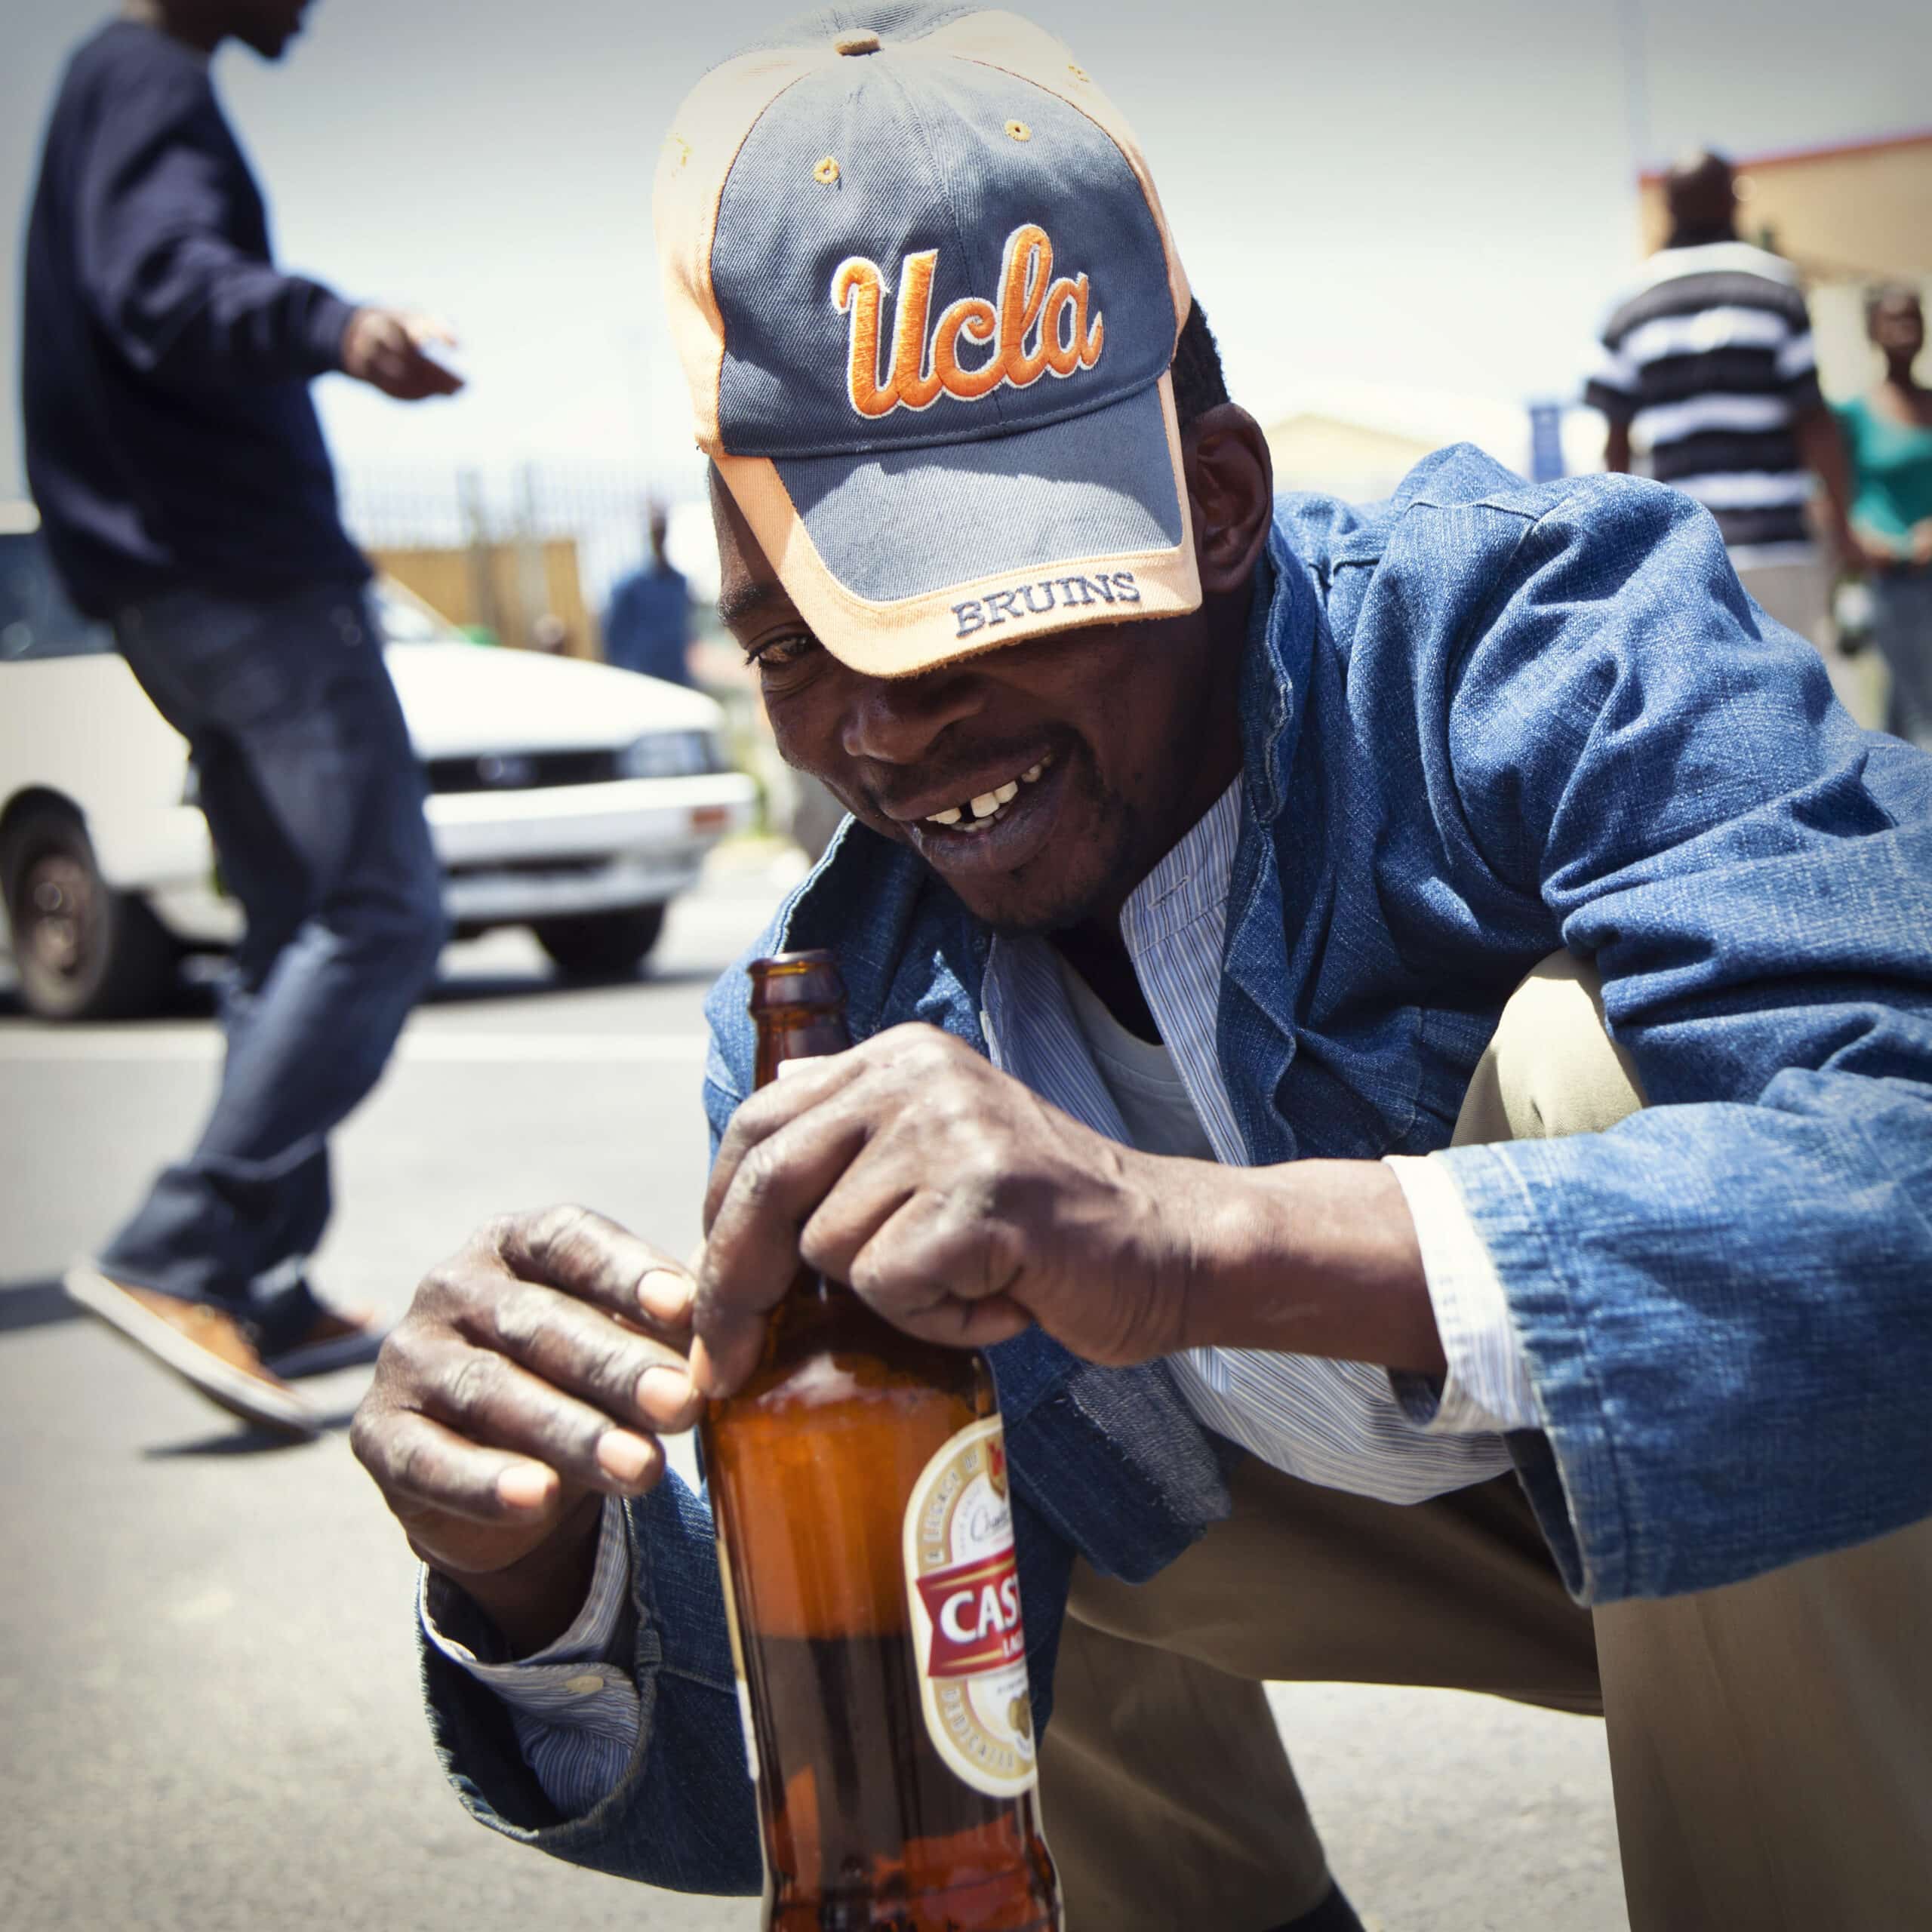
point(533, 1602)
point(1313, 1257)
point(327, 327)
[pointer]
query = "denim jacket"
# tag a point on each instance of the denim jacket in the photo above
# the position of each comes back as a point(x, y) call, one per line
point(1480, 720)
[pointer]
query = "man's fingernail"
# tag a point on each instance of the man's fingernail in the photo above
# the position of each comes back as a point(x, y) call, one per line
point(625, 1455)
point(704, 1368)
point(524, 1486)
point(664, 1294)
point(663, 1388)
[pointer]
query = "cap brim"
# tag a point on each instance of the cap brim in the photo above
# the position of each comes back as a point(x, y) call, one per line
point(902, 560)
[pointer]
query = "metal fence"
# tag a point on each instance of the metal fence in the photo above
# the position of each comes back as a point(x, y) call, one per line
point(500, 548)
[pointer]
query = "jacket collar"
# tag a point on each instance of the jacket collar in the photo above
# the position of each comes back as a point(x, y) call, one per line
point(1281, 626)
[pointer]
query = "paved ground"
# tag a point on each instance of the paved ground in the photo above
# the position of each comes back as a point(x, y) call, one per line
point(206, 1684)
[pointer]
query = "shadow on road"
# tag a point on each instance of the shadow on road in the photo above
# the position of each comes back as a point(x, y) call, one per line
point(35, 1304)
point(241, 1441)
point(197, 1000)
point(187, 999)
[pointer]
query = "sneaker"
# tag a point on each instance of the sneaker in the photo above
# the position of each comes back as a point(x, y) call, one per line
point(337, 1338)
point(207, 1347)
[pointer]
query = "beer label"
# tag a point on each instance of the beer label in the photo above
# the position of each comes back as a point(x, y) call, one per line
point(963, 1589)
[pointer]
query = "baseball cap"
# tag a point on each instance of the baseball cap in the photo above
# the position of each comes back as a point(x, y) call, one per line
point(926, 301)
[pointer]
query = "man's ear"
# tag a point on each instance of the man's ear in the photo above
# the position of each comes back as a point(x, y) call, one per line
point(1231, 489)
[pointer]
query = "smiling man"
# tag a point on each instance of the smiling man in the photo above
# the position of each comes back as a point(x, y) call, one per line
point(1264, 924)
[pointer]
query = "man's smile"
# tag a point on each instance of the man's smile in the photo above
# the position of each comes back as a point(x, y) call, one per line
point(979, 804)
point(998, 827)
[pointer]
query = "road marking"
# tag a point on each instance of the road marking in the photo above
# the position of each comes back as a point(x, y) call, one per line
point(425, 1045)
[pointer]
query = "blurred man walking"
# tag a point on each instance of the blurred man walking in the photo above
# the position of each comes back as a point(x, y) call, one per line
point(1709, 364)
point(187, 497)
point(648, 626)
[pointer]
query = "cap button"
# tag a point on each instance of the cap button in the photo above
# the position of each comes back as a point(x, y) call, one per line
point(863, 40)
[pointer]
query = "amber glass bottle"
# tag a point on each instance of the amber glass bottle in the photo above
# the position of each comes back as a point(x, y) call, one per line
point(859, 1482)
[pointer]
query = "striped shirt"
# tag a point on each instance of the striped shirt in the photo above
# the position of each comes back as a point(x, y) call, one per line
point(1343, 1425)
point(1710, 363)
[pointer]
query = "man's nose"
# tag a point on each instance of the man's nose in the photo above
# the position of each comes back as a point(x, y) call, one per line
point(896, 721)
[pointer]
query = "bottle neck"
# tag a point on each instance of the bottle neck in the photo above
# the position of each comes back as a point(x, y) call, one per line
point(793, 1033)
point(797, 1006)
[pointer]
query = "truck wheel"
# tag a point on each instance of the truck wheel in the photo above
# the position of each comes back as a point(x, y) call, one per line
point(601, 945)
point(83, 951)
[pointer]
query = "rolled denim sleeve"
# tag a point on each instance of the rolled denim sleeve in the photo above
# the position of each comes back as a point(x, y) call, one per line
point(1723, 1300)
point(573, 1704)
point(681, 1813)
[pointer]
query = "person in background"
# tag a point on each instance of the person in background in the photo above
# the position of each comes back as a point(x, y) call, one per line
point(187, 498)
point(1708, 364)
point(1888, 433)
point(551, 635)
point(647, 627)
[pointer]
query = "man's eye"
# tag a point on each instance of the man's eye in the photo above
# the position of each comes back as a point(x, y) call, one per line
point(778, 652)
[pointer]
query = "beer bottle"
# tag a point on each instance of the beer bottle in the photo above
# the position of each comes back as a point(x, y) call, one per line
point(859, 1484)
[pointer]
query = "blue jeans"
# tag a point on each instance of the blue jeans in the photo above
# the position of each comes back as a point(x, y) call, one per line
point(314, 801)
point(1902, 628)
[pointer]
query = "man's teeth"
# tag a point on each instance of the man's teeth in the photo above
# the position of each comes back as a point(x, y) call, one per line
point(987, 804)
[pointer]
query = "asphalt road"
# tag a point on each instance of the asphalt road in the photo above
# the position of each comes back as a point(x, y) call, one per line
point(206, 1689)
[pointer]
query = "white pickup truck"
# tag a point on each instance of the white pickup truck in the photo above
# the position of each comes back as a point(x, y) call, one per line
point(570, 797)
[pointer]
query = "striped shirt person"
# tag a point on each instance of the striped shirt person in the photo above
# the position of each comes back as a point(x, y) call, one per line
point(1709, 364)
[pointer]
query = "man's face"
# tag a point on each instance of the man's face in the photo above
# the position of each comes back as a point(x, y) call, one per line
point(267, 26)
point(1093, 750)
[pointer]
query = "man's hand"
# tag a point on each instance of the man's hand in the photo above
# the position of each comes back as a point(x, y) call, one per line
point(1920, 542)
point(955, 1201)
point(529, 1377)
point(1860, 550)
point(388, 349)
point(962, 1206)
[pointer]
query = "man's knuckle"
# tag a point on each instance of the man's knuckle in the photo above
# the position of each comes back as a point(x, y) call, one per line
point(551, 1233)
point(455, 1285)
point(473, 1383)
point(759, 1175)
point(497, 1234)
point(928, 1052)
point(365, 1444)
point(519, 1317)
point(416, 1464)
point(404, 1354)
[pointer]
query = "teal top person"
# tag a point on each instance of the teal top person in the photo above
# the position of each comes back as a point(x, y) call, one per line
point(1888, 436)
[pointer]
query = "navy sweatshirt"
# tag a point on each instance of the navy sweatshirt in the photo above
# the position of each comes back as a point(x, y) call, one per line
point(165, 363)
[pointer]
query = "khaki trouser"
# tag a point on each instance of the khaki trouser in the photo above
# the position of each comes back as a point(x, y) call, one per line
point(1798, 595)
point(1770, 1743)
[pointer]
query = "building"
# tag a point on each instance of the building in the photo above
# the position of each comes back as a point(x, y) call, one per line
point(1849, 216)
point(1356, 440)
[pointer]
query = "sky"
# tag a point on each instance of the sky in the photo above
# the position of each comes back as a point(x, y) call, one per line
point(1402, 192)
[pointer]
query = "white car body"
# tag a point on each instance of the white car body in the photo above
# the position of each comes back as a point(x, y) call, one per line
point(504, 734)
